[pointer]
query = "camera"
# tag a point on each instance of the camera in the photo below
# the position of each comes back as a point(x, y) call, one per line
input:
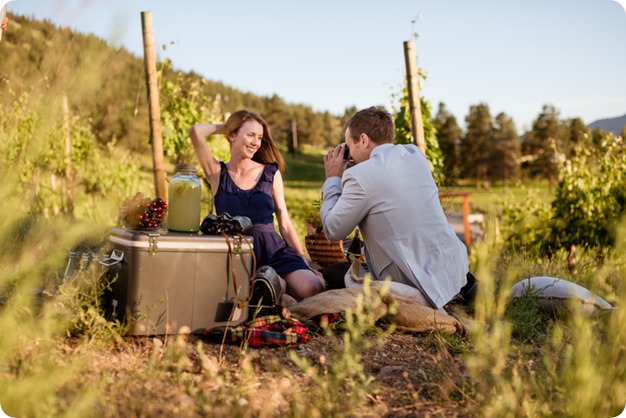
point(225, 223)
point(346, 152)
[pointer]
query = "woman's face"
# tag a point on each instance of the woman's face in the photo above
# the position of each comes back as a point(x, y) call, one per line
point(248, 139)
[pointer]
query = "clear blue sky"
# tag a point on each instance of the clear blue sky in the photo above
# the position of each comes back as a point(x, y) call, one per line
point(513, 56)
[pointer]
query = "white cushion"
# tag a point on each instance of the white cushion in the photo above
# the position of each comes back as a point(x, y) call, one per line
point(554, 294)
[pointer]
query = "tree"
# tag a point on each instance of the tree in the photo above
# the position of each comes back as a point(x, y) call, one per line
point(347, 114)
point(597, 137)
point(277, 117)
point(546, 141)
point(475, 145)
point(579, 135)
point(505, 152)
point(333, 130)
point(448, 135)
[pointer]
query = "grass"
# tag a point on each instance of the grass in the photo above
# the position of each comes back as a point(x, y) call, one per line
point(60, 357)
point(528, 364)
point(492, 201)
point(303, 183)
point(511, 364)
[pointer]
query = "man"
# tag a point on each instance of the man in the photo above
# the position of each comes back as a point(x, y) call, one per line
point(389, 193)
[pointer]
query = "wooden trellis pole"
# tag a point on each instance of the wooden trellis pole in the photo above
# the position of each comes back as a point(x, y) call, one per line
point(69, 178)
point(294, 138)
point(154, 108)
point(415, 107)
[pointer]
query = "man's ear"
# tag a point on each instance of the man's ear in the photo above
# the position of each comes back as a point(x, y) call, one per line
point(365, 140)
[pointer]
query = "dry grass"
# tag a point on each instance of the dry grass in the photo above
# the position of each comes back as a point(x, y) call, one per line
point(65, 356)
point(414, 375)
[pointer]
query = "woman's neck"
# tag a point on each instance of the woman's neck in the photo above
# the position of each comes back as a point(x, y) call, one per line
point(241, 165)
point(245, 173)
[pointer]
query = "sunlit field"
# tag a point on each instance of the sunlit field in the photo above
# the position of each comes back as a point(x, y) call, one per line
point(60, 357)
point(64, 180)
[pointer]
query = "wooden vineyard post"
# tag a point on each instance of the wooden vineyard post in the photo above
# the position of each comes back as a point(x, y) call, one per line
point(415, 107)
point(294, 138)
point(69, 178)
point(154, 108)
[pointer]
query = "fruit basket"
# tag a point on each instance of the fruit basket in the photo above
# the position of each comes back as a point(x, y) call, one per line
point(142, 213)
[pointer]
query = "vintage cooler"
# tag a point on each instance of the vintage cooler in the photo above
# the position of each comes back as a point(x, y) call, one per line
point(167, 280)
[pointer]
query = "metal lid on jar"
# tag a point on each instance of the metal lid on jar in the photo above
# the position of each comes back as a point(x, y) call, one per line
point(186, 167)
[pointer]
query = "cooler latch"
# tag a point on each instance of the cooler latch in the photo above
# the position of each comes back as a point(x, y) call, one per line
point(153, 244)
point(237, 246)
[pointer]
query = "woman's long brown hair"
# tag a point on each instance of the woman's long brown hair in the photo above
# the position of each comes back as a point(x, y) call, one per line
point(268, 152)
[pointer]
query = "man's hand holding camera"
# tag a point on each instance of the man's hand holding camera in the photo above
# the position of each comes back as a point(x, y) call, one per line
point(336, 161)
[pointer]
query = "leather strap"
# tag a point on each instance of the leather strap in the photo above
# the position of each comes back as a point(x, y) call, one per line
point(233, 273)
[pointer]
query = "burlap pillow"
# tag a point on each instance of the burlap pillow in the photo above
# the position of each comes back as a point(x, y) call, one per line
point(409, 315)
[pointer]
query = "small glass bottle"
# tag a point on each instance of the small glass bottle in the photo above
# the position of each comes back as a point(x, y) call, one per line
point(184, 200)
point(84, 261)
point(72, 266)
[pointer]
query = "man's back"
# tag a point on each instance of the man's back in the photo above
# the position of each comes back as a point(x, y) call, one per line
point(395, 201)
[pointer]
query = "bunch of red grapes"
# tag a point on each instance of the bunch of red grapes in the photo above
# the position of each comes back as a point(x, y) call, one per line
point(143, 212)
point(153, 214)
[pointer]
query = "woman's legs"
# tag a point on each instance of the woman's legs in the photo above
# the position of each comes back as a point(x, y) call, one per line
point(335, 275)
point(302, 284)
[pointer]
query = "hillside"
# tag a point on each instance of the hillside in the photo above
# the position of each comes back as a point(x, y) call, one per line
point(107, 85)
point(615, 125)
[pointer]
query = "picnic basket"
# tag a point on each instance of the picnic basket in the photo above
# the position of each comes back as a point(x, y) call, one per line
point(323, 251)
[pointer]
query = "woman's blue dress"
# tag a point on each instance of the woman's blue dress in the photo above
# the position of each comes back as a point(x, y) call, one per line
point(258, 205)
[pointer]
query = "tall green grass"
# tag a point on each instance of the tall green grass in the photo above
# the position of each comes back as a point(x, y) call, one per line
point(525, 363)
point(36, 377)
point(40, 373)
point(520, 362)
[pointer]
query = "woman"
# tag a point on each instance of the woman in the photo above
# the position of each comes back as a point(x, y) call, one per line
point(251, 184)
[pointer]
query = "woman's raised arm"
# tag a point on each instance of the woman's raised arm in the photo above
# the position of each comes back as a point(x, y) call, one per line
point(211, 167)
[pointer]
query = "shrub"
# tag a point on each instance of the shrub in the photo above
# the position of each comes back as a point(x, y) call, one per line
point(589, 201)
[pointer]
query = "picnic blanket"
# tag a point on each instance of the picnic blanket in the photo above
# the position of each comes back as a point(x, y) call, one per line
point(277, 329)
point(295, 323)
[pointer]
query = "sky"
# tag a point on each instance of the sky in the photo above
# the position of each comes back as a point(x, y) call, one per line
point(514, 56)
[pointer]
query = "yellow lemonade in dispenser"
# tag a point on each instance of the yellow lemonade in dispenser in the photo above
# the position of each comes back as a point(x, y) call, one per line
point(184, 200)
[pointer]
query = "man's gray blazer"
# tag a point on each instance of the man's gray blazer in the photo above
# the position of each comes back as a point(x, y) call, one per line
point(393, 199)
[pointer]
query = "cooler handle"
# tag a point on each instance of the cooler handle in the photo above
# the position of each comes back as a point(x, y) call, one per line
point(116, 257)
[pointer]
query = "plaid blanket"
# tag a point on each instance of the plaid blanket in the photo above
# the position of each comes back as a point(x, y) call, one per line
point(277, 329)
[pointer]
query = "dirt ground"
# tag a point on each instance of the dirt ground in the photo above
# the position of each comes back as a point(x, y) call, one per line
point(413, 375)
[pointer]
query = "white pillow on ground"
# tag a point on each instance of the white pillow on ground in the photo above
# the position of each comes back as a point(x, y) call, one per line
point(554, 294)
